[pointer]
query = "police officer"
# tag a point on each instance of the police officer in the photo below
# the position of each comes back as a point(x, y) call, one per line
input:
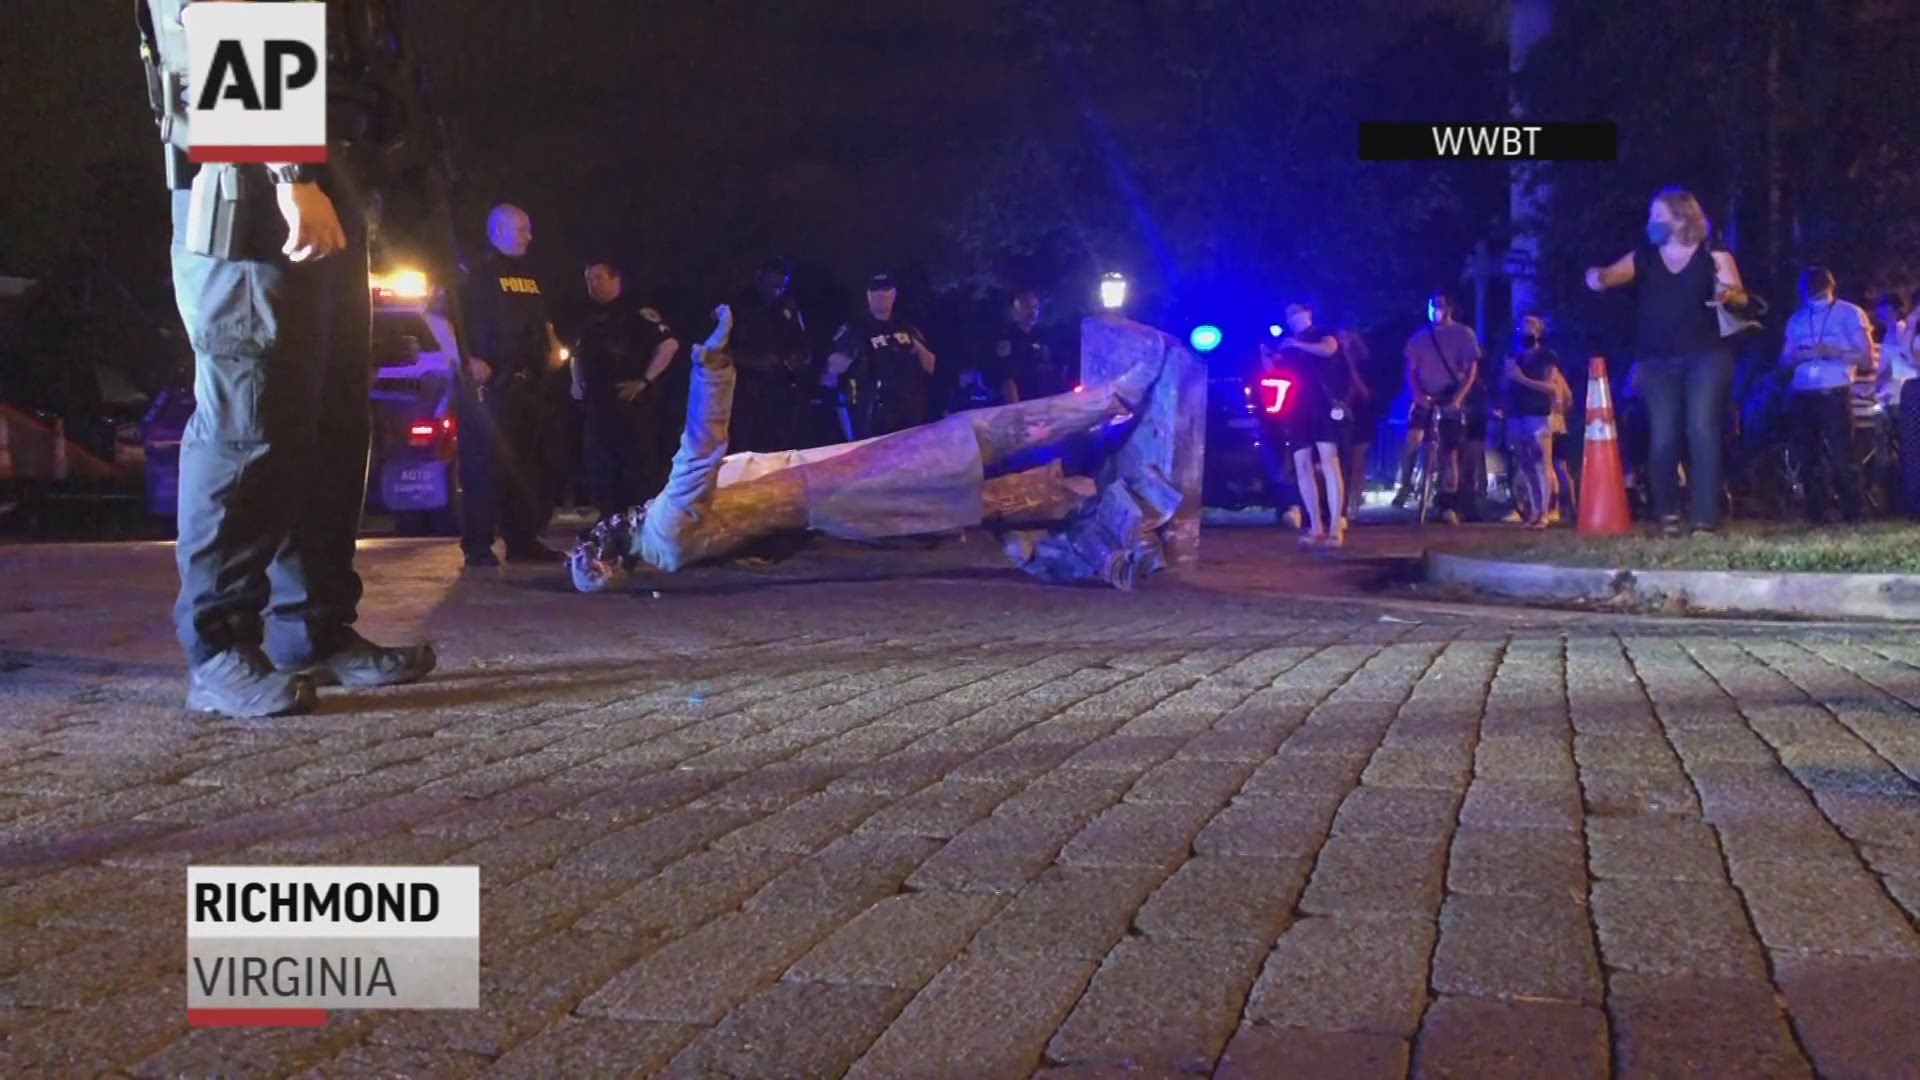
point(620, 357)
point(502, 464)
point(273, 463)
point(771, 356)
point(1028, 367)
point(889, 361)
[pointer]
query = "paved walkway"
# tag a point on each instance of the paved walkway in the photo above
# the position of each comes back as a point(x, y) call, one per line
point(909, 815)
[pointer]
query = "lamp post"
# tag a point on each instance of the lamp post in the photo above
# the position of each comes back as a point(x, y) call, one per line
point(1113, 292)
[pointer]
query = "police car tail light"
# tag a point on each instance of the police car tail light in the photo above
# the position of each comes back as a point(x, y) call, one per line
point(421, 432)
point(1277, 393)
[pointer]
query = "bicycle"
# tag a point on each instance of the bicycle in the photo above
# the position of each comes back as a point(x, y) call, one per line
point(1425, 460)
point(1876, 454)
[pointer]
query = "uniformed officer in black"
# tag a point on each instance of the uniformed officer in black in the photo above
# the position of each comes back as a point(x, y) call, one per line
point(273, 463)
point(889, 362)
point(771, 357)
point(623, 351)
point(1026, 361)
point(513, 350)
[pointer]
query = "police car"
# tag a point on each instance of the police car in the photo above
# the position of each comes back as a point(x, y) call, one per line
point(412, 474)
point(1232, 476)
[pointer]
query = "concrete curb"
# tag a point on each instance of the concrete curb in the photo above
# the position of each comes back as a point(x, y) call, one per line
point(1879, 597)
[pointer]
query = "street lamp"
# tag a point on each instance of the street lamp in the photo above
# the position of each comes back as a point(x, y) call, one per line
point(1113, 292)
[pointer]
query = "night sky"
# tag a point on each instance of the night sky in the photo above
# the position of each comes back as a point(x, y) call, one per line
point(684, 135)
point(691, 138)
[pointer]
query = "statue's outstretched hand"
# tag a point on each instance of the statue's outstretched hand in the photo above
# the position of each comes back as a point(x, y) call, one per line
point(722, 328)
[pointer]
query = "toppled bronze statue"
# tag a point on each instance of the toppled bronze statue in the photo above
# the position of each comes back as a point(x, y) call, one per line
point(1137, 514)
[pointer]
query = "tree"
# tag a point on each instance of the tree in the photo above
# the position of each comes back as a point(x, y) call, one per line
point(1785, 118)
point(1209, 149)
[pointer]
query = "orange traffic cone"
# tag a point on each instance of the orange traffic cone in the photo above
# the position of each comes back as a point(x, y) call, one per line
point(1603, 487)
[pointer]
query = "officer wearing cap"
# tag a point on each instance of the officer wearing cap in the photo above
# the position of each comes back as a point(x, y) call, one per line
point(889, 361)
point(273, 463)
point(771, 356)
point(623, 352)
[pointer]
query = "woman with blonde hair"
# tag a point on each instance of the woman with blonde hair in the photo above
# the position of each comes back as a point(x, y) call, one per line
point(1565, 503)
point(1686, 368)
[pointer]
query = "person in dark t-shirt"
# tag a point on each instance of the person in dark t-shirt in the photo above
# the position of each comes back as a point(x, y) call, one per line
point(1028, 366)
point(1531, 391)
point(1319, 420)
point(771, 356)
point(1686, 368)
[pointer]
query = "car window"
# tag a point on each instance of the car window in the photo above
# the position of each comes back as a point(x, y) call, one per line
point(392, 328)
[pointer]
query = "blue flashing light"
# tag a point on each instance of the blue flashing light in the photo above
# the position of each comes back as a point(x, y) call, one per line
point(1274, 330)
point(1205, 339)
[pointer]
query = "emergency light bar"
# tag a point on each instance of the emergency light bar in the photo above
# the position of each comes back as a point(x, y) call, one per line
point(401, 285)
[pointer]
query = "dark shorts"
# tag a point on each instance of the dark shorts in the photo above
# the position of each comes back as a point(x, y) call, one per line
point(1562, 445)
point(1453, 427)
point(1316, 419)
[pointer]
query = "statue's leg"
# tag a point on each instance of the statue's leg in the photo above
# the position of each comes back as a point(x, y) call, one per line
point(1008, 430)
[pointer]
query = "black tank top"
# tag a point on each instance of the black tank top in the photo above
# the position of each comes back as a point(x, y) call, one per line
point(1674, 319)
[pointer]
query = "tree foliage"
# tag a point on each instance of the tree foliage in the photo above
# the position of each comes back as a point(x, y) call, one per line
point(1209, 147)
point(1827, 136)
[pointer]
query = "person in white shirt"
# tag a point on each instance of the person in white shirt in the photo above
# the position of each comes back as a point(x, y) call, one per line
point(1829, 347)
point(1898, 363)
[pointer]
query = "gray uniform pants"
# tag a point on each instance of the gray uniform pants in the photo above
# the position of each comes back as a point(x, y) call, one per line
point(273, 464)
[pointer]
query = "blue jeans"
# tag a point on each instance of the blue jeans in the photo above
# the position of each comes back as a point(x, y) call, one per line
point(273, 464)
point(1687, 396)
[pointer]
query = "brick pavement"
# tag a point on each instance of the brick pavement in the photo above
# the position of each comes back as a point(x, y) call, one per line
point(907, 815)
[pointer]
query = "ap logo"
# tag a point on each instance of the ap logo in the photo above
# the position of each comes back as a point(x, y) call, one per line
point(259, 87)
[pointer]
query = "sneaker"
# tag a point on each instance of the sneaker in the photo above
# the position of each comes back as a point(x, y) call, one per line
point(1450, 517)
point(361, 663)
point(242, 683)
point(1514, 517)
point(1553, 517)
point(1291, 517)
point(479, 560)
point(534, 554)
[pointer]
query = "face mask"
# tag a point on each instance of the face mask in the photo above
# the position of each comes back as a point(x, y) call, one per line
point(1659, 231)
